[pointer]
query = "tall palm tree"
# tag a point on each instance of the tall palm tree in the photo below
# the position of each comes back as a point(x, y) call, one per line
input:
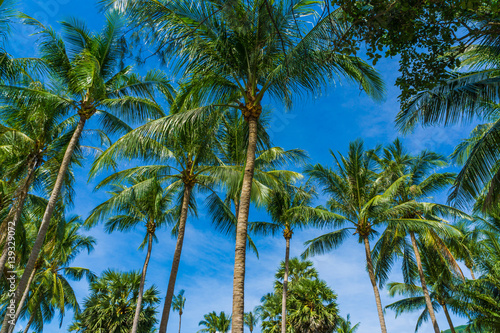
point(237, 53)
point(144, 202)
point(251, 320)
point(215, 323)
point(290, 208)
point(178, 305)
point(31, 137)
point(43, 299)
point(442, 281)
point(471, 92)
point(86, 64)
point(358, 199)
point(185, 160)
point(423, 180)
point(110, 307)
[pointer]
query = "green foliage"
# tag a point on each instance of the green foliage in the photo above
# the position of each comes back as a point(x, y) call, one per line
point(111, 305)
point(429, 36)
point(311, 304)
point(215, 323)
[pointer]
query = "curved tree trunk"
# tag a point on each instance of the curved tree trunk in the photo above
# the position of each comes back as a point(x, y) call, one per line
point(369, 265)
point(28, 325)
point(135, 323)
point(236, 208)
point(17, 209)
point(285, 287)
point(427, 297)
point(49, 210)
point(176, 260)
point(241, 231)
point(448, 317)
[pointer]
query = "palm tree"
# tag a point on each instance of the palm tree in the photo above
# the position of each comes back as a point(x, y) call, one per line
point(422, 181)
point(442, 281)
point(185, 160)
point(86, 65)
point(358, 199)
point(145, 202)
point(472, 91)
point(311, 303)
point(178, 305)
point(215, 323)
point(111, 305)
point(251, 320)
point(31, 138)
point(345, 325)
point(289, 208)
point(55, 270)
point(236, 54)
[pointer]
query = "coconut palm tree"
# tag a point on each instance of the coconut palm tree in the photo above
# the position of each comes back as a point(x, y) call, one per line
point(43, 299)
point(178, 305)
point(290, 208)
point(236, 54)
point(442, 281)
point(345, 325)
point(31, 138)
point(86, 65)
point(268, 173)
point(423, 181)
point(184, 161)
point(360, 200)
point(251, 320)
point(111, 305)
point(144, 202)
point(215, 323)
point(472, 91)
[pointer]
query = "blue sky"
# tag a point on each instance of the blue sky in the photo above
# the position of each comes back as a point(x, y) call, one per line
point(330, 121)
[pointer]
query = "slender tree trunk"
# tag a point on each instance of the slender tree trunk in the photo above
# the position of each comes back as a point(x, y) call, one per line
point(180, 320)
point(448, 317)
point(236, 208)
point(427, 297)
point(176, 260)
point(49, 210)
point(135, 324)
point(241, 231)
point(285, 287)
point(17, 209)
point(369, 265)
point(20, 306)
point(28, 325)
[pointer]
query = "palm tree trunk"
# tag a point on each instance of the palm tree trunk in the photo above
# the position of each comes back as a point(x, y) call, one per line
point(180, 319)
point(285, 287)
point(445, 309)
point(19, 308)
point(369, 265)
point(241, 231)
point(28, 325)
point(49, 210)
point(236, 208)
point(176, 260)
point(135, 324)
point(427, 297)
point(16, 210)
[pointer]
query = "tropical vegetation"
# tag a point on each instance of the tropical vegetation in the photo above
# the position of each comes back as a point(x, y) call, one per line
point(168, 110)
